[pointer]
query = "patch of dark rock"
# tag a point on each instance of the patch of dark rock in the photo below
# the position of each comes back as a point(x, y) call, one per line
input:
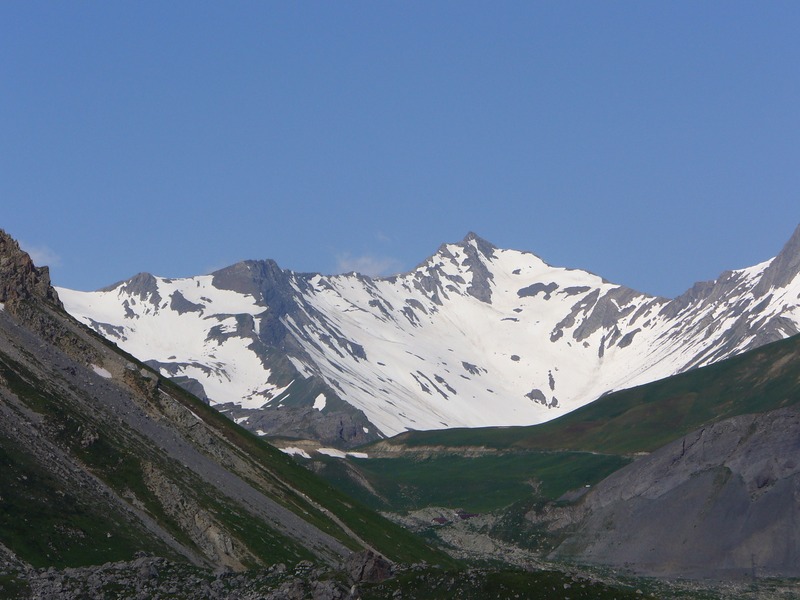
point(409, 314)
point(143, 285)
point(575, 290)
point(606, 311)
point(628, 338)
point(534, 289)
point(441, 381)
point(472, 369)
point(181, 305)
point(368, 566)
point(537, 396)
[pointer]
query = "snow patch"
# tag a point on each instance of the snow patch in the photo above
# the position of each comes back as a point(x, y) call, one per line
point(332, 452)
point(2, 306)
point(292, 451)
point(240, 420)
point(319, 402)
point(101, 371)
point(339, 454)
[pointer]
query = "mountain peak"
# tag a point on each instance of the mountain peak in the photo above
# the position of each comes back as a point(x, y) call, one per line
point(20, 279)
point(791, 250)
point(474, 237)
point(483, 246)
point(783, 268)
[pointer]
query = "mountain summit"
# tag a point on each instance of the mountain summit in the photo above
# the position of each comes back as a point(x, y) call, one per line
point(474, 336)
point(783, 269)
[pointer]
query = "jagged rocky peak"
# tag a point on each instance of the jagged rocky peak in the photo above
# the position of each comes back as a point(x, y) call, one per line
point(485, 247)
point(477, 249)
point(143, 285)
point(262, 279)
point(783, 268)
point(476, 253)
point(20, 279)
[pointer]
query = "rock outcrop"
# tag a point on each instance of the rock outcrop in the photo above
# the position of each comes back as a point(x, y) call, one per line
point(20, 279)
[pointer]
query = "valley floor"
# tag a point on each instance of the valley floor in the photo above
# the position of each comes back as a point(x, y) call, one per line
point(150, 578)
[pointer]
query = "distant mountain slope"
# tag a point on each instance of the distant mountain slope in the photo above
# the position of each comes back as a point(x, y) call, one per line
point(474, 336)
point(640, 419)
point(719, 502)
point(102, 458)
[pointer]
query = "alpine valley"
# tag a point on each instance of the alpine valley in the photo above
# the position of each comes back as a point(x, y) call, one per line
point(658, 456)
point(474, 336)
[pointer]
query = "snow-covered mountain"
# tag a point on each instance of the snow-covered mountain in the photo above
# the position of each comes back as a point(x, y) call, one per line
point(474, 336)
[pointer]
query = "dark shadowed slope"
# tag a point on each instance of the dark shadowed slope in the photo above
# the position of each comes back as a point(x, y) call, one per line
point(719, 502)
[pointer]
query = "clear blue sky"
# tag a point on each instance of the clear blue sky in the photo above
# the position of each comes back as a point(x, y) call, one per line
point(653, 143)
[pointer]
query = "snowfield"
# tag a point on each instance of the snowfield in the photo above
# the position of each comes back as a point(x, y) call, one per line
point(475, 336)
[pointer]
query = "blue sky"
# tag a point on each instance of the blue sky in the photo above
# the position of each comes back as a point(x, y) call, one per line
point(655, 144)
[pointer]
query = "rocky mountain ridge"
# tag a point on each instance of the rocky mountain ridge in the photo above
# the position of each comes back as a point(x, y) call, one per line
point(474, 336)
point(103, 458)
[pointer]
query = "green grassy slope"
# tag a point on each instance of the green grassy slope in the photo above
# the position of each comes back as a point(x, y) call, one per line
point(385, 536)
point(50, 521)
point(476, 484)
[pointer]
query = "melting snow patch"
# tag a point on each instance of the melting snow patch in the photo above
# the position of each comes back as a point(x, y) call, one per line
point(259, 432)
point(365, 430)
point(319, 402)
point(339, 454)
point(295, 452)
point(331, 452)
point(240, 420)
point(101, 371)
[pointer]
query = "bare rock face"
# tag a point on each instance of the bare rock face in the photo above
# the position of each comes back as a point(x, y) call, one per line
point(20, 279)
point(783, 269)
point(26, 294)
point(720, 502)
point(369, 567)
